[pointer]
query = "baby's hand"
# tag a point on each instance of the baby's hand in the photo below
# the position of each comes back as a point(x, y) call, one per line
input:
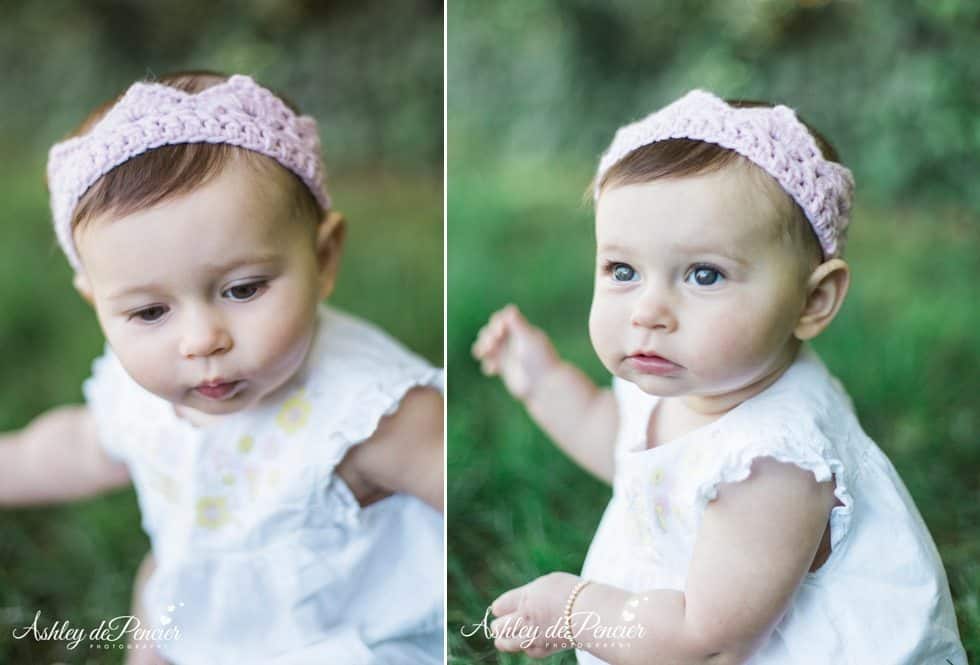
point(520, 353)
point(527, 616)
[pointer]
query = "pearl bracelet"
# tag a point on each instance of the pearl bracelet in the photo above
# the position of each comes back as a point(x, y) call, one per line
point(568, 612)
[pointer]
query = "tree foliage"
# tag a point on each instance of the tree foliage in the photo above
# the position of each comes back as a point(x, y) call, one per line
point(893, 84)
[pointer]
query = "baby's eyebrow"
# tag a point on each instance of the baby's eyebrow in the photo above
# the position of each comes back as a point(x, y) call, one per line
point(140, 288)
point(684, 250)
point(613, 247)
point(728, 253)
point(234, 263)
point(212, 268)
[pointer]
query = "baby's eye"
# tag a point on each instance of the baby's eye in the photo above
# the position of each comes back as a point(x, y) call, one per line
point(245, 292)
point(704, 276)
point(622, 272)
point(150, 314)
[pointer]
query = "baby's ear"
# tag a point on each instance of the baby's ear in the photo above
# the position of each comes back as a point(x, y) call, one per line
point(84, 287)
point(826, 288)
point(330, 236)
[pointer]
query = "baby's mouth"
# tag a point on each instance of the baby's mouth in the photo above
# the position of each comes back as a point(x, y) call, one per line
point(651, 363)
point(219, 390)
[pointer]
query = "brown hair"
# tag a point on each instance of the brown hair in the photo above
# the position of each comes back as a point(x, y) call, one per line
point(684, 157)
point(169, 170)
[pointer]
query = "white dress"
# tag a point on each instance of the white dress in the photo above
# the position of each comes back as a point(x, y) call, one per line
point(881, 597)
point(263, 553)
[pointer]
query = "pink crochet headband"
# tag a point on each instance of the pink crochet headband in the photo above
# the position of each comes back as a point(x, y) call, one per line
point(772, 138)
point(237, 112)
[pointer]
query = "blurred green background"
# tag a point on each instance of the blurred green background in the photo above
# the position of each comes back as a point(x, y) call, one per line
point(370, 72)
point(536, 90)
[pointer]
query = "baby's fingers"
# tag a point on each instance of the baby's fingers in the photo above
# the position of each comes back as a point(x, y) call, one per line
point(507, 602)
point(490, 336)
point(489, 367)
point(511, 633)
point(483, 338)
point(487, 343)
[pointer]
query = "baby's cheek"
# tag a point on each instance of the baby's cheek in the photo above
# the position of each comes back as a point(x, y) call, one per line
point(284, 333)
point(742, 344)
point(727, 347)
point(147, 369)
point(603, 329)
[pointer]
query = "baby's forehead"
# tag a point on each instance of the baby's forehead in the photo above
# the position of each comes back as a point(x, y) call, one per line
point(735, 200)
point(237, 211)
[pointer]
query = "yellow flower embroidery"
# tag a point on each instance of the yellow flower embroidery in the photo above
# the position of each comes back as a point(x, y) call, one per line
point(165, 485)
point(212, 512)
point(294, 413)
point(661, 507)
point(245, 444)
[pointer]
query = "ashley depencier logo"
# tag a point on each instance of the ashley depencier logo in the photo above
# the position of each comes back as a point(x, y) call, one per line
point(589, 630)
point(119, 631)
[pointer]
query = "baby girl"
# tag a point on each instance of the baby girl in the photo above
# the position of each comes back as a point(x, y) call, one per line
point(752, 519)
point(287, 456)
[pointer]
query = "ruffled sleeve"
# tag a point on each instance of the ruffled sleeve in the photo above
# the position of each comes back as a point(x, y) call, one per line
point(800, 443)
point(105, 393)
point(362, 376)
point(380, 399)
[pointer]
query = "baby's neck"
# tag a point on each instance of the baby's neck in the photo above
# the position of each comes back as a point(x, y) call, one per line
point(670, 420)
point(674, 417)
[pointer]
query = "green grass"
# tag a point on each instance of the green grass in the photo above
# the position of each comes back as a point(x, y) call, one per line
point(77, 562)
point(905, 346)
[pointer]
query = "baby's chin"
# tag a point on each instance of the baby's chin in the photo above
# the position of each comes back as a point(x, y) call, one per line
point(658, 386)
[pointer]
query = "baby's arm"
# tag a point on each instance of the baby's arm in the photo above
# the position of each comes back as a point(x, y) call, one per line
point(405, 453)
point(57, 457)
point(756, 542)
point(579, 416)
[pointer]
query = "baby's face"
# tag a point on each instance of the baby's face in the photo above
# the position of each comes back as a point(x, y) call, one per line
point(694, 270)
point(221, 284)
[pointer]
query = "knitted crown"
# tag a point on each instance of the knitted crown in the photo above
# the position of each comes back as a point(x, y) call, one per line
point(149, 115)
point(772, 138)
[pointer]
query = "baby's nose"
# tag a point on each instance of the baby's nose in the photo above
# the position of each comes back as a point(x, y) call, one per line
point(654, 309)
point(204, 334)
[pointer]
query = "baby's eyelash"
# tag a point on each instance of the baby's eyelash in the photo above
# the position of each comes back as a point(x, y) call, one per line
point(607, 266)
point(714, 275)
point(706, 266)
point(257, 284)
point(138, 314)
